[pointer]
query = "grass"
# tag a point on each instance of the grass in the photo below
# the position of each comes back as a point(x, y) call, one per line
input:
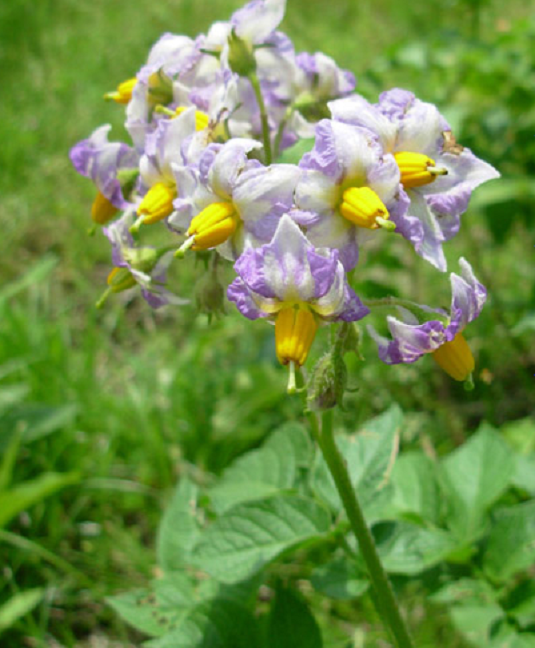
point(131, 399)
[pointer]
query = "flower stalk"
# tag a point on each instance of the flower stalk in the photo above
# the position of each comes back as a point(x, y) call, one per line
point(384, 597)
point(253, 78)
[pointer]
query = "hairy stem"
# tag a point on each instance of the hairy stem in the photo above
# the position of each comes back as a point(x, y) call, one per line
point(383, 595)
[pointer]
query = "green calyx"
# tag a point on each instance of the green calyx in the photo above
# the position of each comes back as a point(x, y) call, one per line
point(241, 58)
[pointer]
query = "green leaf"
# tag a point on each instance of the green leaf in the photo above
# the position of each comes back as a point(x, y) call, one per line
point(8, 460)
point(406, 548)
point(294, 154)
point(466, 590)
point(144, 611)
point(520, 603)
point(416, 491)
point(473, 477)
point(291, 623)
point(215, 624)
point(21, 497)
point(369, 456)
point(475, 621)
point(521, 435)
point(179, 528)
point(249, 536)
point(339, 579)
point(511, 545)
point(263, 472)
point(523, 476)
point(18, 606)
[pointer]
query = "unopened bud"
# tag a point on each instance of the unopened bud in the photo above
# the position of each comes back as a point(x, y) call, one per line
point(241, 58)
point(327, 383)
point(210, 295)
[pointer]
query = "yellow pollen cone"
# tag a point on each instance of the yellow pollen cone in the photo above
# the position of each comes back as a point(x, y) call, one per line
point(102, 209)
point(120, 279)
point(157, 203)
point(201, 119)
point(295, 330)
point(213, 226)
point(362, 206)
point(455, 358)
point(417, 169)
point(123, 94)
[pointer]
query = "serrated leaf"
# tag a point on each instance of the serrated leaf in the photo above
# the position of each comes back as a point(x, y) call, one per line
point(291, 623)
point(18, 606)
point(216, 624)
point(472, 478)
point(415, 487)
point(24, 495)
point(179, 529)
point(369, 455)
point(262, 472)
point(406, 548)
point(249, 536)
point(511, 544)
point(339, 579)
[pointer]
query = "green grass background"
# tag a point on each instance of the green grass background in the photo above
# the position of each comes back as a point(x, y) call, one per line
point(130, 399)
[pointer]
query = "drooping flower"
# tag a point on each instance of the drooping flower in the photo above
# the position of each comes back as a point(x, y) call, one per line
point(113, 168)
point(348, 186)
point(438, 174)
point(296, 286)
point(441, 337)
point(138, 265)
point(166, 147)
point(237, 203)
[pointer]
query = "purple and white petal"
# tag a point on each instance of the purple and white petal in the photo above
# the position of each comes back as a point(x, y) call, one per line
point(239, 293)
point(230, 161)
point(262, 195)
point(357, 111)
point(258, 19)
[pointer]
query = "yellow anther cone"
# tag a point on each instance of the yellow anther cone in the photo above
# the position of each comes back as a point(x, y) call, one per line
point(102, 209)
point(201, 119)
point(213, 226)
point(417, 169)
point(455, 358)
point(157, 203)
point(123, 94)
point(362, 206)
point(295, 330)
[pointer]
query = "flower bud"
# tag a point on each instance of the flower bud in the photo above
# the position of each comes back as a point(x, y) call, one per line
point(210, 295)
point(327, 383)
point(241, 58)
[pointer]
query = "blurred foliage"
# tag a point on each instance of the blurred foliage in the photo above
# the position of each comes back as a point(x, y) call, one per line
point(128, 401)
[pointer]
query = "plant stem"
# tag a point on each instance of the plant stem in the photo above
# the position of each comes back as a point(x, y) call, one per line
point(383, 594)
point(263, 116)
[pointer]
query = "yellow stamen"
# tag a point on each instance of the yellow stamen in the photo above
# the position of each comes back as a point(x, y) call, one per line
point(102, 209)
point(362, 206)
point(417, 169)
point(455, 358)
point(123, 94)
point(120, 279)
point(213, 226)
point(201, 119)
point(295, 330)
point(156, 205)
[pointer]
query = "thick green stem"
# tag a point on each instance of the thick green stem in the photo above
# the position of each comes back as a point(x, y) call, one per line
point(263, 116)
point(383, 593)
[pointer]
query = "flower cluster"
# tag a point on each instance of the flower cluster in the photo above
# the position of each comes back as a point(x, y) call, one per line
point(209, 118)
